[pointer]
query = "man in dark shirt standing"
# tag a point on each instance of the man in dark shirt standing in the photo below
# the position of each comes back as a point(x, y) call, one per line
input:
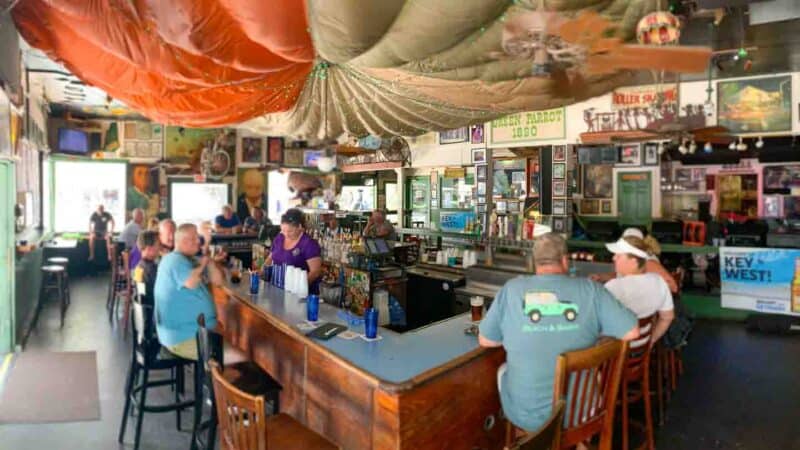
point(145, 271)
point(99, 229)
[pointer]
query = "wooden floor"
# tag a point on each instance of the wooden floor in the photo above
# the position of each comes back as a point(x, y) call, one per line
point(740, 391)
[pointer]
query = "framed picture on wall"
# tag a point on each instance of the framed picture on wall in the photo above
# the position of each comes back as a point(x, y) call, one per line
point(630, 155)
point(275, 150)
point(251, 151)
point(480, 172)
point(598, 181)
point(559, 224)
point(454, 136)
point(559, 153)
point(513, 206)
point(479, 156)
point(559, 170)
point(481, 188)
point(559, 207)
point(651, 154)
point(589, 206)
point(605, 206)
point(559, 188)
point(773, 206)
point(476, 134)
point(481, 200)
point(481, 208)
point(500, 206)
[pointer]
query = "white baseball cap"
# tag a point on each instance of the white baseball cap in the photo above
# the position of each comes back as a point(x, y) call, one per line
point(622, 246)
point(635, 232)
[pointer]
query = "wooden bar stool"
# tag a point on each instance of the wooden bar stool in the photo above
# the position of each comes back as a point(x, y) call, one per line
point(55, 280)
point(121, 286)
point(243, 425)
point(635, 385)
point(545, 438)
point(245, 376)
point(63, 262)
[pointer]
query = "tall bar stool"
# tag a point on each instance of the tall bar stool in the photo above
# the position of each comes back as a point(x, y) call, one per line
point(121, 286)
point(245, 376)
point(63, 262)
point(635, 385)
point(55, 279)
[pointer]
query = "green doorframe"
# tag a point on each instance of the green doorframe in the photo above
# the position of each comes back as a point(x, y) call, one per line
point(634, 198)
point(7, 256)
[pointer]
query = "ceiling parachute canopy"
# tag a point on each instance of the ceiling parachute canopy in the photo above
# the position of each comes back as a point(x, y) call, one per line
point(313, 68)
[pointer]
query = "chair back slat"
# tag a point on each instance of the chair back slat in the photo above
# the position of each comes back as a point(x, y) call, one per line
point(639, 350)
point(242, 422)
point(589, 380)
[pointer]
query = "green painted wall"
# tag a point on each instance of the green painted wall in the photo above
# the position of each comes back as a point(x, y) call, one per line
point(7, 256)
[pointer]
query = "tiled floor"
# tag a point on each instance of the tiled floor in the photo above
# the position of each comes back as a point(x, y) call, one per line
point(87, 328)
point(740, 390)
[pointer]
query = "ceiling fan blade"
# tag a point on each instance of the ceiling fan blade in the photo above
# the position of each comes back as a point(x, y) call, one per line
point(647, 57)
point(588, 26)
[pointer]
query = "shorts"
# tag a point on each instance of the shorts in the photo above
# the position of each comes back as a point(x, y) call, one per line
point(186, 349)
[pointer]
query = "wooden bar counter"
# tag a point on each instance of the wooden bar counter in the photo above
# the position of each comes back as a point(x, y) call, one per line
point(432, 388)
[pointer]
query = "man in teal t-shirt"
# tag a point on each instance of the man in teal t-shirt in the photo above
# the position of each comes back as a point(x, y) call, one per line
point(536, 318)
point(181, 294)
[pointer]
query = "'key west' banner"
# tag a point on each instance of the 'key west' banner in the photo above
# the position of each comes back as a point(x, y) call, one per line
point(760, 279)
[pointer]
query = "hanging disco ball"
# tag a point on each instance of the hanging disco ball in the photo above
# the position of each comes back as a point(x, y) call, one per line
point(658, 28)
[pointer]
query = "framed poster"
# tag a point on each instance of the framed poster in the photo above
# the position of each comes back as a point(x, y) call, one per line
point(275, 150)
point(630, 155)
point(478, 156)
point(559, 188)
point(755, 105)
point(651, 154)
point(598, 181)
point(559, 170)
point(559, 153)
point(481, 188)
point(454, 136)
point(476, 134)
point(143, 130)
point(560, 224)
point(310, 157)
point(184, 145)
point(605, 206)
point(252, 150)
point(773, 206)
point(588, 206)
point(559, 207)
point(480, 172)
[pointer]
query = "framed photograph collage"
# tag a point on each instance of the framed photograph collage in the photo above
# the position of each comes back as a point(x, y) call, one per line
point(560, 189)
point(142, 140)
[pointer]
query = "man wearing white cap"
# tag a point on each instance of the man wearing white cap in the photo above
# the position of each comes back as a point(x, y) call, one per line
point(652, 265)
point(644, 293)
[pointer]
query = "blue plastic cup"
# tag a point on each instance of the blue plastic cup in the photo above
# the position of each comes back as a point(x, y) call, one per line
point(255, 281)
point(312, 307)
point(267, 275)
point(371, 323)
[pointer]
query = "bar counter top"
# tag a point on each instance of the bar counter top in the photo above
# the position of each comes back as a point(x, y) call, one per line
point(397, 358)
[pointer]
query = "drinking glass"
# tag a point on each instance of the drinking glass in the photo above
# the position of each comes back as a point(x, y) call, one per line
point(255, 281)
point(312, 308)
point(371, 323)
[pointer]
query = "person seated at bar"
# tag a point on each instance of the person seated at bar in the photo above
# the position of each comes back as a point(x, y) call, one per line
point(99, 229)
point(132, 229)
point(145, 270)
point(653, 265)
point(256, 220)
point(644, 293)
point(294, 247)
point(181, 293)
point(166, 235)
point(227, 222)
point(379, 227)
point(534, 341)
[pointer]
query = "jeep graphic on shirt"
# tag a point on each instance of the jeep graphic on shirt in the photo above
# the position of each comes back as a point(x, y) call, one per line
point(541, 304)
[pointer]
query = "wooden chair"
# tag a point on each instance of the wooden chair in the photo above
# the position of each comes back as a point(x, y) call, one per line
point(669, 364)
point(589, 380)
point(635, 385)
point(244, 425)
point(547, 437)
point(121, 286)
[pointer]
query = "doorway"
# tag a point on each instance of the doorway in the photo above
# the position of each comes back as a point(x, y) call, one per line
point(634, 198)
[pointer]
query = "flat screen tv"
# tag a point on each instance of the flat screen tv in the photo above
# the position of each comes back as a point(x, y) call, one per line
point(598, 155)
point(71, 140)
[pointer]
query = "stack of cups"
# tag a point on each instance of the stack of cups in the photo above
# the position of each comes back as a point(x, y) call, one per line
point(290, 277)
point(301, 288)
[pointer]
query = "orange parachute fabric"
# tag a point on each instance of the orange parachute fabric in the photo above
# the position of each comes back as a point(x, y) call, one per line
point(199, 63)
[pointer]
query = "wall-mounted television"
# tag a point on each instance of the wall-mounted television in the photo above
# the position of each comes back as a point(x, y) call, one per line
point(71, 140)
point(598, 155)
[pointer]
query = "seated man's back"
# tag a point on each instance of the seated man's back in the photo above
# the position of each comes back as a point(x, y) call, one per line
point(538, 317)
point(178, 306)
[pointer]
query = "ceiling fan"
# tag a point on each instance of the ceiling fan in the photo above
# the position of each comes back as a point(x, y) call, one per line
point(568, 50)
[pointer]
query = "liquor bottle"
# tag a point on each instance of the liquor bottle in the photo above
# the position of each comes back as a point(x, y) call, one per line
point(796, 287)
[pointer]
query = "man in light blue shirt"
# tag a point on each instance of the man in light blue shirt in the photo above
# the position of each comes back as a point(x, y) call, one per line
point(536, 318)
point(181, 293)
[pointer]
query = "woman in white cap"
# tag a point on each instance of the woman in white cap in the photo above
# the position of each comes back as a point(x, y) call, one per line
point(644, 293)
point(653, 265)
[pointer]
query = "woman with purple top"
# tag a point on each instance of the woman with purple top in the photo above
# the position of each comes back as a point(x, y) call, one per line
point(294, 247)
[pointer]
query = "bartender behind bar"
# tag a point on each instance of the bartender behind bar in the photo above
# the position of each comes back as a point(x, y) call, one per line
point(294, 247)
point(379, 227)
